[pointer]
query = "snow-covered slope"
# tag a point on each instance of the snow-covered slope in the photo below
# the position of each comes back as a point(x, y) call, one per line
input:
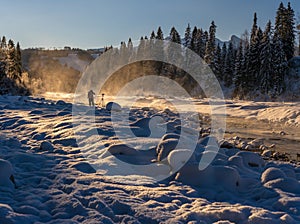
point(57, 182)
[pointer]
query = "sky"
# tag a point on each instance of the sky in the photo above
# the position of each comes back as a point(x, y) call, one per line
point(98, 23)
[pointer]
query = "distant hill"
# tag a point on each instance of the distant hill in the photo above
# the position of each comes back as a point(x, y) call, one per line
point(233, 39)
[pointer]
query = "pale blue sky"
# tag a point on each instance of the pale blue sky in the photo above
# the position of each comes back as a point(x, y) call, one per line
point(96, 23)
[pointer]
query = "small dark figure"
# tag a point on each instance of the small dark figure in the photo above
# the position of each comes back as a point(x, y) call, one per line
point(102, 100)
point(91, 95)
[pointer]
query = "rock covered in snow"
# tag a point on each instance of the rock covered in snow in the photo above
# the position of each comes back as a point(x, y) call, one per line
point(60, 102)
point(6, 175)
point(222, 176)
point(251, 159)
point(165, 147)
point(46, 146)
point(272, 173)
point(113, 106)
point(179, 157)
point(267, 153)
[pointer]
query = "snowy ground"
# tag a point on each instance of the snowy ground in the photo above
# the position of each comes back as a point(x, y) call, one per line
point(56, 182)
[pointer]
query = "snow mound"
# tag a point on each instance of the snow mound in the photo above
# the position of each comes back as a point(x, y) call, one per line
point(113, 106)
point(6, 173)
point(179, 157)
point(272, 173)
point(252, 160)
point(165, 147)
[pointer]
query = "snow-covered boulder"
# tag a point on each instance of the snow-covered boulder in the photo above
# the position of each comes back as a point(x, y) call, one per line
point(7, 181)
point(60, 102)
point(251, 159)
point(236, 161)
point(165, 147)
point(113, 106)
point(285, 184)
point(256, 143)
point(272, 173)
point(267, 153)
point(46, 146)
point(190, 174)
point(179, 157)
point(227, 177)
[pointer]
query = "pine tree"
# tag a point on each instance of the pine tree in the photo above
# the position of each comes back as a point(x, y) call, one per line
point(3, 43)
point(229, 66)
point(253, 30)
point(152, 36)
point(253, 61)
point(193, 45)
point(266, 63)
point(187, 37)
point(290, 32)
point(210, 45)
point(175, 37)
point(159, 34)
point(218, 64)
point(11, 61)
point(18, 59)
point(238, 67)
point(202, 40)
point(223, 60)
point(3, 57)
point(280, 66)
point(285, 28)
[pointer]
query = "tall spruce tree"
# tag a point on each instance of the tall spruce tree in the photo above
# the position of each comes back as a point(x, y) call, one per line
point(280, 66)
point(3, 56)
point(11, 71)
point(285, 28)
point(229, 66)
point(266, 63)
point(3, 43)
point(174, 35)
point(211, 44)
point(194, 40)
point(187, 37)
point(290, 32)
point(253, 61)
point(152, 35)
point(238, 67)
point(18, 59)
point(159, 34)
point(223, 60)
point(218, 64)
point(202, 40)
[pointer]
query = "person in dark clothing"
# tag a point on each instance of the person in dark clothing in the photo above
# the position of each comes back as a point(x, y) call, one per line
point(91, 95)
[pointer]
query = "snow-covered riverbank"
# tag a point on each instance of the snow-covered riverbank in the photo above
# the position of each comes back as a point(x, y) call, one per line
point(58, 183)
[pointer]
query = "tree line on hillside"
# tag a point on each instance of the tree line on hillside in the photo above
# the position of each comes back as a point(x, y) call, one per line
point(258, 64)
point(11, 70)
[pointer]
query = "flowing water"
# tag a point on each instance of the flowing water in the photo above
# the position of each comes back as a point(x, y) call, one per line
point(286, 138)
